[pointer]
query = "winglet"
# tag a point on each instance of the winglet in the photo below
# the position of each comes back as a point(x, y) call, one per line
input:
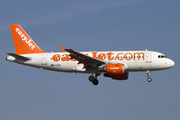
point(62, 48)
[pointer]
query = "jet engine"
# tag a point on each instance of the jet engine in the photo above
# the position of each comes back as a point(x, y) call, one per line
point(112, 68)
point(117, 76)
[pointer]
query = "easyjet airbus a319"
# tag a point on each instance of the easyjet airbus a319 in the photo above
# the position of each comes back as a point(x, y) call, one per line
point(113, 64)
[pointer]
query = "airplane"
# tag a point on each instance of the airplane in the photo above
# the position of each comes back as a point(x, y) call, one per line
point(112, 64)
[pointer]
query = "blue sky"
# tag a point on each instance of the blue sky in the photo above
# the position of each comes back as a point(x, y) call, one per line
point(28, 93)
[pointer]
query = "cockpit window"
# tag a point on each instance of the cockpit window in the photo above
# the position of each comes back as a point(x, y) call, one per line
point(162, 56)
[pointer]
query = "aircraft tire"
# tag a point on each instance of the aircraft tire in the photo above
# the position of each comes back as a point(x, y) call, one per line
point(91, 78)
point(95, 82)
point(149, 79)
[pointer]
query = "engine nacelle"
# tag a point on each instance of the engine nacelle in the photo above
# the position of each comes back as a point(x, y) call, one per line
point(117, 76)
point(112, 68)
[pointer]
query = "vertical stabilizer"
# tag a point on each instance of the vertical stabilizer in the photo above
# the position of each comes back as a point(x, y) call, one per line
point(23, 42)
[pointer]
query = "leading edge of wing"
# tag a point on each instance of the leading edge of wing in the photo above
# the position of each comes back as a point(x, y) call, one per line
point(86, 57)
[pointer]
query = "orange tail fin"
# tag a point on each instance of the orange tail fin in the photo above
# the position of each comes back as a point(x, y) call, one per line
point(23, 42)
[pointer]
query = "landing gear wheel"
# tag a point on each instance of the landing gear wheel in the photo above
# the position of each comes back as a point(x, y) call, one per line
point(95, 82)
point(149, 79)
point(148, 74)
point(94, 79)
point(91, 78)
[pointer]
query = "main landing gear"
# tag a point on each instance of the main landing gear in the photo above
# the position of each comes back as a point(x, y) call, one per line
point(148, 75)
point(94, 79)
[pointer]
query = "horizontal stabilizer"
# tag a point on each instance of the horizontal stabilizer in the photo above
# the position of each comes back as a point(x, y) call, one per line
point(18, 56)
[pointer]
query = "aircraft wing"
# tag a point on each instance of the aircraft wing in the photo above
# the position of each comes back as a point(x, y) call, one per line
point(84, 59)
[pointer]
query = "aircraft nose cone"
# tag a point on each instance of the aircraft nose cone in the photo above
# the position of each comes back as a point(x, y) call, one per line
point(171, 63)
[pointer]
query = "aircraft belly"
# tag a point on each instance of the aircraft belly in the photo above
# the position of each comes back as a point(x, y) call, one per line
point(132, 66)
point(139, 66)
point(67, 67)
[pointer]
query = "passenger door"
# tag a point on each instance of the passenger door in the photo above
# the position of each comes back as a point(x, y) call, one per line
point(44, 59)
point(148, 57)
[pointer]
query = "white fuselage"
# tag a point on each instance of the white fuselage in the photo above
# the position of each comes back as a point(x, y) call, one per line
point(133, 61)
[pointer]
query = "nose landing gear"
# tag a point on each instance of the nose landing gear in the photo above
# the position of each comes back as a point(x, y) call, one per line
point(94, 79)
point(148, 75)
